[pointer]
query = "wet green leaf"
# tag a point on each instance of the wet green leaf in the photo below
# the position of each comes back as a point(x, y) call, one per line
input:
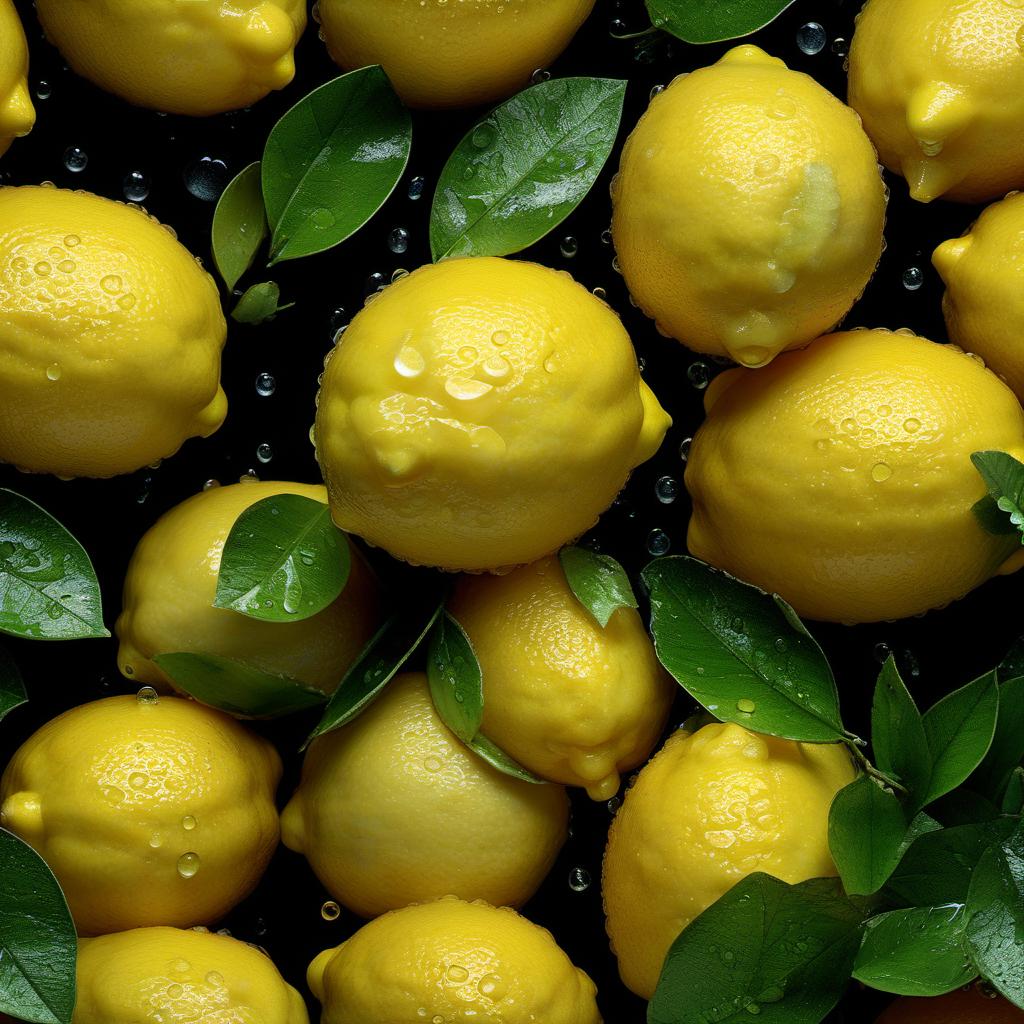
point(456, 681)
point(598, 581)
point(260, 303)
point(712, 21)
point(1013, 797)
point(12, 687)
point(239, 225)
point(1004, 478)
point(1007, 750)
point(497, 758)
point(897, 734)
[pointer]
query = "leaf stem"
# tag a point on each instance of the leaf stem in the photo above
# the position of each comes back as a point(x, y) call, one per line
point(856, 745)
point(652, 30)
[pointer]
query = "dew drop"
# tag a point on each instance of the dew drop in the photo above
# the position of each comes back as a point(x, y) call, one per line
point(188, 865)
point(456, 974)
point(912, 425)
point(417, 187)
point(398, 241)
point(206, 178)
point(137, 780)
point(321, 218)
point(43, 90)
point(811, 38)
point(76, 159)
point(135, 187)
point(880, 472)
point(699, 375)
point(147, 696)
point(330, 911)
point(53, 372)
point(188, 823)
point(913, 278)
point(264, 452)
point(112, 284)
point(667, 489)
point(266, 385)
point(579, 879)
point(570, 246)
point(410, 362)
point(658, 543)
point(215, 978)
point(175, 991)
point(684, 448)
point(746, 706)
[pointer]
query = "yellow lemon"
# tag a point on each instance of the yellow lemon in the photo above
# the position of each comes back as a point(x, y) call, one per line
point(835, 475)
point(480, 413)
point(171, 976)
point(571, 701)
point(984, 301)
point(451, 961)
point(712, 807)
point(110, 337)
point(748, 209)
point(17, 114)
point(172, 580)
point(393, 809)
point(148, 810)
point(441, 54)
point(940, 87)
point(181, 58)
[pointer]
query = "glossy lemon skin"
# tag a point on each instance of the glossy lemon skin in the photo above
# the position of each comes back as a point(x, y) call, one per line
point(748, 209)
point(710, 808)
point(172, 581)
point(199, 58)
point(17, 115)
point(175, 976)
point(834, 476)
point(571, 701)
point(452, 961)
point(480, 413)
point(439, 54)
point(965, 1006)
point(940, 87)
point(984, 301)
point(393, 809)
point(110, 337)
point(115, 793)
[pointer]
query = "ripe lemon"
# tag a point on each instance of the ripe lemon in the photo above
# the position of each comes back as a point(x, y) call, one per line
point(17, 114)
point(571, 701)
point(710, 808)
point(181, 58)
point(451, 961)
point(171, 976)
point(172, 580)
point(110, 337)
point(835, 475)
point(441, 54)
point(393, 809)
point(748, 209)
point(965, 1006)
point(940, 87)
point(984, 301)
point(480, 413)
point(148, 811)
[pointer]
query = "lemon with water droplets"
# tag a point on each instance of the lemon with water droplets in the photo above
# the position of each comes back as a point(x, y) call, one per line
point(149, 811)
point(710, 808)
point(748, 209)
point(17, 115)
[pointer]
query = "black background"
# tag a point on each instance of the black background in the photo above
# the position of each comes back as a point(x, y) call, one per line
point(937, 652)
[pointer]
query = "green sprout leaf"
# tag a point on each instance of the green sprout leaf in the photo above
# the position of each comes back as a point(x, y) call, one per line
point(12, 687)
point(712, 21)
point(1004, 478)
point(897, 733)
point(598, 581)
point(239, 225)
point(456, 681)
point(260, 303)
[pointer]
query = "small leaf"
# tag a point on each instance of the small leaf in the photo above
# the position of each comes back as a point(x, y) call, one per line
point(598, 581)
point(1004, 478)
point(915, 952)
point(992, 518)
point(332, 161)
point(239, 225)
point(38, 945)
point(1007, 750)
point(12, 687)
point(897, 734)
point(260, 303)
point(712, 21)
point(742, 654)
point(497, 758)
point(284, 560)
point(1013, 798)
point(792, 948)
point(237, 688)
point(456, 681)
point(523, 169)
point(48, 587)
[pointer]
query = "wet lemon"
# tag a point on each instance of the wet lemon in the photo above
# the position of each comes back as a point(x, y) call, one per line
point(965, 1006)
point(181, 58)
point(393, 809)
point(480, 413)
point(16, 112)
point(174, 976)
point(440, 54)
point(172, 580)
point(834, 476)
point(149, 811)
point(110, 337)
point(571, 701)
point(748, 209)
point(712, 807)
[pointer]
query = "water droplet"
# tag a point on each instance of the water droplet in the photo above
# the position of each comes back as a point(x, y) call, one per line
point(53, 372)
point(781, 646)
point(72, 240)
point(398, 241)
point(266, 385)
point(658, 543)
point(913, 278)
point(457, 975)
point(912, 425)
point(840, 47)
point(483, 135)
point(137, 780)
point(667, 489)
point(206, 178)
point(466, 389)
point(135, 187)
point(210, 484)
point(188, 823)
point(112, 284)
point(264, 452)
point(148, 696)
point(684, 448)
point(880, 472)
point(433, 764)
point(579, 879)
point(330, 911)
point(782, 107)
point(499, 338)
point(570, 246)
point(655, 91)
point(882, 652)
point(43, 269)
point(417, 187)
point(811, 38)
point(496, 366)
point(175, 991)
point(75, 159)
point(410, 362)
point(66, 266)
point(215, 978)
point(127, 302)
point(188, 865)
point(746, 706)
point(43, 90)
point(540, 75)
point(755, 355)
point(614, 804)
point(322, 218)
point(156, 841)
point(699, 375)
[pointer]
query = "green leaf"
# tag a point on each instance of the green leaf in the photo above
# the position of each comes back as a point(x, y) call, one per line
point(332, 161)
point(48, 587)
point(598, 581)
point(995, 917)
point(897, 733)
point(456, 681)
point(915, 952)
point(284, 560)
point(963, 807)
point(239, 225)
point(497, 758)
point(237, 688)
point(12, 687)
point(780, 952)
point(712, 21)
point(992, 518)
point(1004, 478)
point(1007, 750)
point(38, 945)
point(1013, 798)
point(260, 303)
point(1012, 665)
point(742, 654)
point(523, 169)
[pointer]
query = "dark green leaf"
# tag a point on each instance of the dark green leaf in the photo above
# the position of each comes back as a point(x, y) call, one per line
point(1004, 478)
point(497, 758)
point(992, 518)
point(332, 161)
point(1012, 665)
point(963, 807)
point(239, 225)
point(48, 588)
point(456, 681)
point(598, 581)
point(780, 952)
point(261, 302)
point(284, 560)
point(12, 688)
point(1007, 750)
point(741, 653)
point(712, 21)
point(523, 169)
point(1013, 798)
point(897, 734)
point(237, 688)
point(38, 945)
point(915, 952)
